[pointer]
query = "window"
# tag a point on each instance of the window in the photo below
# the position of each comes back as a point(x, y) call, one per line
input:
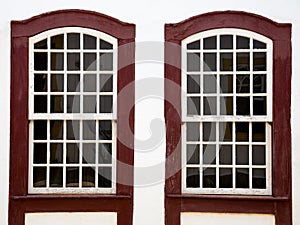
point(227, 111)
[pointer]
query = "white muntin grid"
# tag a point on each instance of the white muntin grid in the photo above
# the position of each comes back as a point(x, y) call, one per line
point(219, 103)
point(75, 106)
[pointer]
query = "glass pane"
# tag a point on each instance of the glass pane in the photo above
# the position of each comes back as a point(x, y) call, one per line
point(89, 61)
point(209, 84)
point(41, 44)
point(40, 104)
point(259, 45)
point(56, 153)
point(209, 131)
point(105, 154)
point(106, 61)
point(210, 61)
point(57, 82)
point(192, 154)
point(56, 129)
point(73, 130)
point(106, 82)
point(193, 84)
point(73, 83)
point(226, 84)
point(56, 176)
point(40, 130)
point(209, 154)
point(73, 41)
point(193, 62)
point(89, 42)
point(259, 83)
point(89, 104)
point(104, 177)
point(88, 153)
point(259, 61)
point(242, 131)
point(242, 155)
point(242, 62)
point(258, 132)
point(226, 61)
point(242, 84)
point(105, 130)
point(57, 61)
point(39, 153)
point(242, 42)
point(225, 131)
point(73, 61)
point(40, 82)
point(89, 130)
point(260, 105)
point(40, 61)
point(39, 176)
point(210, 106)
point(106, 103)
point(192, 178)
point(226, 42)
point(210, 42)
point(243, 106)
point(72, 177)
point(88, 177)
point(192, 131)
point(89, 83)
point(57, 104)
point(57, 42)
point(73, 104)
point(72, 153)
point(258, 155)
point(259, 178)
point(226, 105)
point(225, 155)
point(209, 178)
point(242, 178)
point(105, 45)
point(194, 45)
point(193, 105)
point(225, 178)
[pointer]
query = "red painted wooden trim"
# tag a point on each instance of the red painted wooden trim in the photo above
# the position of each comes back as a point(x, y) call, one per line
point(20, 202)
point(280, 204)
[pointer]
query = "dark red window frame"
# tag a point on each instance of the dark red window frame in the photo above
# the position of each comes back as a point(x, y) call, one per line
point(280, 203)
point(20, 202)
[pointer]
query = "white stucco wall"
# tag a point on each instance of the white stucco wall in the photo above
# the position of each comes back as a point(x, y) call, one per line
point(149, 17)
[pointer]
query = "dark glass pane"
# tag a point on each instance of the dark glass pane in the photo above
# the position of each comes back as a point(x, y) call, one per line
point(41, 44)
point(193, 84)
point(56, 153)
point(259, 45)
point(73, 83)
point(226, 61)
point(225, 155)
point(192, 154)
point(210, 42)
point(260, 105)
point(40, 104)
point(73, 130)
point(57, 104)
point(88, 177)
point(259, 178)
point(258, 155)
point(89, 42)
point(226, 42)
point(209, 154)
point(39, 176)
point(242, 84)
point(106, 103)
point(193, 105)
point(242, 155)
point(56, 176)
point(192, 178)
point(57, 42)
point(210, 61)
point(89, 61)
point(72, 153)
point(209, 178)
point(73, 61)
point(259, 61)
point(193, 62)
point(225, 178)
point(89, 83)
point(40, 61)
point(73, 104)
point(104, 177)
point(226, 105)
point(105, 154)
point(226, 83)
point(57, 61)
point(192, 131)
point(225, 131)
point(242, 62)
point(194, 45)
point(242, 42)
point(209, 84)
point(259, 83)
point(242, 131)
point(72, 177)
point(105, 130)
point(56, 129)
point(73, 41)
point(105, 45)
point(40, 82)
point(210, 106)
point(106, 83)
point(242, 178)
point(243, 106)
point(89, 130)
point(57, 82)
point(88, 153)
point(39, 153)
point(89, 104)
point(106, 61)
point(40, 130)
point(209, 131)
point(258, 131)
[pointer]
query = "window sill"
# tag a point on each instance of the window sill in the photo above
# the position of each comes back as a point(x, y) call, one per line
point(70, 196)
